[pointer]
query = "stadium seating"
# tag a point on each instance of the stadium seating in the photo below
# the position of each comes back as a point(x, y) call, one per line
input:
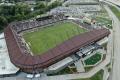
point(39, 22)
point(21, 26)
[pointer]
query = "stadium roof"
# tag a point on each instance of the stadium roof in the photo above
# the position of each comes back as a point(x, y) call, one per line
point(29, 63)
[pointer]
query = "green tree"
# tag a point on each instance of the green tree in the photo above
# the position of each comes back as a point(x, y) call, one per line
point(54, 4)
point(7, 10)
point(39, 5)
point(22, 9)
point(3, 22)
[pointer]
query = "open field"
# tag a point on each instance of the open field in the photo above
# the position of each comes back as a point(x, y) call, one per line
point(48, 37)
point(93, 59)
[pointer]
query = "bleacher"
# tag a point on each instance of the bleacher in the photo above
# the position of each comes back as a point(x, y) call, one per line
point(39, 22)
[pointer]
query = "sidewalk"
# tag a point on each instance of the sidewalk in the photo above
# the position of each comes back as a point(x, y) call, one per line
point(106, 74)
point(79, 66)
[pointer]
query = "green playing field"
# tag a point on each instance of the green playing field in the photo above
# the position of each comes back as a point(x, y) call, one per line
point(48, 37)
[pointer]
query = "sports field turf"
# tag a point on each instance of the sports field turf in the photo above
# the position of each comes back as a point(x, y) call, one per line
point(48, 37)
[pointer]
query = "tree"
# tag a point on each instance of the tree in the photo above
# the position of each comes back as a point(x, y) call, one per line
point(7, 10)
point(39, 5)
point(54, 4)
point(22, 9)
point(0, 1)
point(3, 22)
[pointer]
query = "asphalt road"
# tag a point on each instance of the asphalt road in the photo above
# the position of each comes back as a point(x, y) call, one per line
point(117, 2)
point(116, 46)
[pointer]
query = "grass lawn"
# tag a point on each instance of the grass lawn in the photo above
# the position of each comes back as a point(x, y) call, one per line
point(88, 68)
point(104, 46)
point(104, 21)
point(93, 59)
point(66, 70)
point(98, 76)
point(47, 38)
point(115, 11)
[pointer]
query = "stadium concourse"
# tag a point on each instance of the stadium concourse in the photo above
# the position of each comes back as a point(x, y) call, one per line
point(21, 56)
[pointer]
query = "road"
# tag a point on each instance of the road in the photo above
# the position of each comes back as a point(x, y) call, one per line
point(116, 50)
point(116, 2)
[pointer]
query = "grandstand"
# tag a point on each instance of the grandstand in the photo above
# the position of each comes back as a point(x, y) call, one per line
point(35, 23)
point(20, 54)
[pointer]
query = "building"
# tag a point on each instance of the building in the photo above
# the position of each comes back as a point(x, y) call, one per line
point(20, 56)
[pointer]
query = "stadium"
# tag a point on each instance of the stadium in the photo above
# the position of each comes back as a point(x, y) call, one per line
point(35, 45)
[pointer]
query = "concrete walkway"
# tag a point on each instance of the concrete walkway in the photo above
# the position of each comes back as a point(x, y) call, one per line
point(106, 74)
point(79, 66)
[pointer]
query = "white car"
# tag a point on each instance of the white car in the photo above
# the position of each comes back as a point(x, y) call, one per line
point(30, 76)
point(37, 75)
